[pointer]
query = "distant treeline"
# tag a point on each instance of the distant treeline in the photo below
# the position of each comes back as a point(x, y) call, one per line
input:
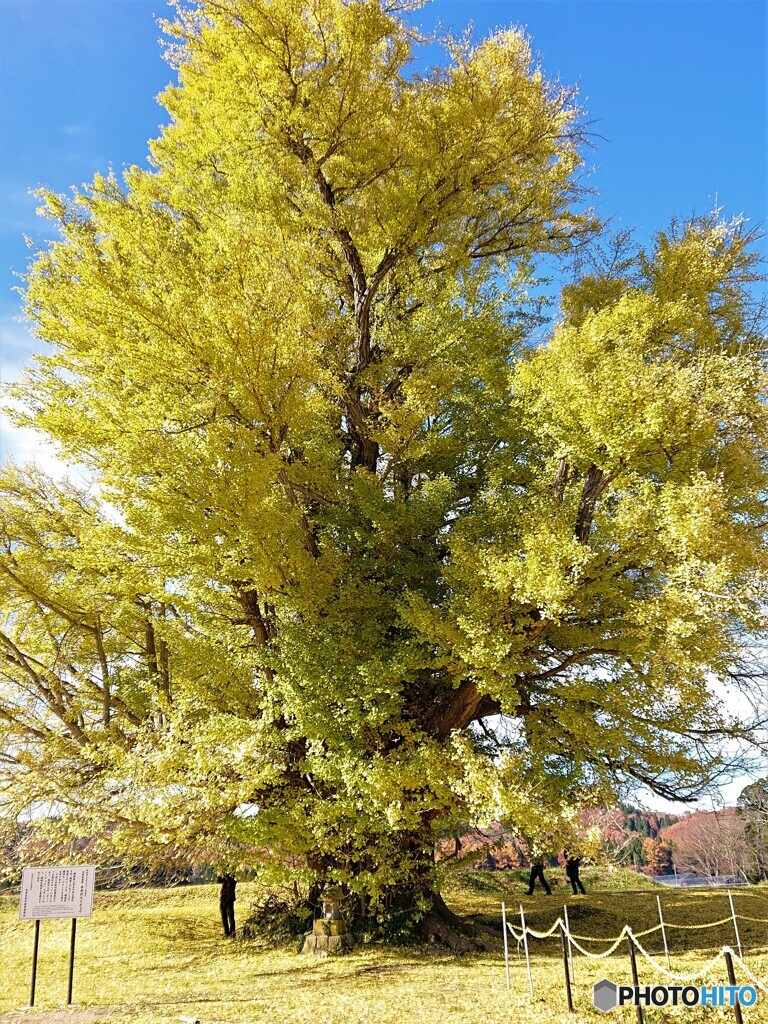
point(646, 823)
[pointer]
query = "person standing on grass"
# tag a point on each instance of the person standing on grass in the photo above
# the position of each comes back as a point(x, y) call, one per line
point(227, 903)
point(537, 871)
point(572, 874)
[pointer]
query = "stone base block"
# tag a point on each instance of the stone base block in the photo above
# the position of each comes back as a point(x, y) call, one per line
point(327, 945)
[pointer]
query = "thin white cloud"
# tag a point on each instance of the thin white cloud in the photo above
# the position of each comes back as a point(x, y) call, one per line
point(22, 444)
point(20, 215)
point(724, 795)
point(16, 347)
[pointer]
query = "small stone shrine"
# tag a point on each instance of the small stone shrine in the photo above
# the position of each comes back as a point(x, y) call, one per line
point(329, 931)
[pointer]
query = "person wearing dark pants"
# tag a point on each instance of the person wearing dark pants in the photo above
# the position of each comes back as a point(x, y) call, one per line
point(572, 874)
point(227, 903)
point(537, 871)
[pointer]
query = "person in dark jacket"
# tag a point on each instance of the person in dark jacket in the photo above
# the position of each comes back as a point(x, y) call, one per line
point(227, 903)
point(572, 874)
point(537, 871)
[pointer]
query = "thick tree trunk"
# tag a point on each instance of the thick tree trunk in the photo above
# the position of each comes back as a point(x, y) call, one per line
point(442, 925)
point(401, 909)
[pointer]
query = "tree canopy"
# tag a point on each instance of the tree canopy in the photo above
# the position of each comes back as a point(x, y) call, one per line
point(366, 558)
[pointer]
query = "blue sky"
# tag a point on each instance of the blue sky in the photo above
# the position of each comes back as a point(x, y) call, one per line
point(676, 90)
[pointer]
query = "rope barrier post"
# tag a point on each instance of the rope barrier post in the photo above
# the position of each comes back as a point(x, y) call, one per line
point(735, 924)
point(565, 968)
point(663, 932)
point(635, 981)
point(570, 944)
point(527, 954)
point(506, 943)
point(732, 980)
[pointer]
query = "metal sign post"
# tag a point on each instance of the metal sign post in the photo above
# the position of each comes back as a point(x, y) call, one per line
point(732, 980)
point(71, 960)
point(735, 924)
point(570, 946)
point(506, 942)
point(34, 964)
point(527, 954)
point(663, 931)
point(48, 893)
point(635, 981)
point(565, 968)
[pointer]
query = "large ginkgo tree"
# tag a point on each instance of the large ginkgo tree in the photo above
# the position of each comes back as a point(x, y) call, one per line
point(370, 555)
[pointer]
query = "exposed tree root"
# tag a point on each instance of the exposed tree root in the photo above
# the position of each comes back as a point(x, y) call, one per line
point(442, 925)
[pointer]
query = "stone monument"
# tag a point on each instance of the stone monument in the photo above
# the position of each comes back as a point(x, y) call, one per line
point(329, 931)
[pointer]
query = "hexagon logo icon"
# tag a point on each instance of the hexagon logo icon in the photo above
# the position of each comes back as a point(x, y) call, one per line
point(605, 995)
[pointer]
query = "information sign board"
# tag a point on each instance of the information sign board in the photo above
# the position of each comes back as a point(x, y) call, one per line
point(57, 892)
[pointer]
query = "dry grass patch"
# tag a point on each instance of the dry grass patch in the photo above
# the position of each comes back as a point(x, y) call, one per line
point(152, 956)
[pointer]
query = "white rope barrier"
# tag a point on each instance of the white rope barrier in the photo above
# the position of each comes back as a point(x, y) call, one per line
point(606, 952)
point(599, 938)
point(648, 931)
point(699, 927)
point(545, 935)
point(685, 978)
point(755, 980)
point(573, 943)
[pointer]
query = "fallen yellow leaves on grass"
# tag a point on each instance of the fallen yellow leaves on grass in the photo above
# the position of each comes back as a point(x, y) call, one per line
point(153, 956)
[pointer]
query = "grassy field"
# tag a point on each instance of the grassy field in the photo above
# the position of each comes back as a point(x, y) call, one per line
point(156, 956)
